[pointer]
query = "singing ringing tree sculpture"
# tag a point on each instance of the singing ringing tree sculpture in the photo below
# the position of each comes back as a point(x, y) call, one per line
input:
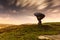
point(39, 17)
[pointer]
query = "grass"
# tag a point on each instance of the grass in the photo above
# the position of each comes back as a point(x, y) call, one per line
point(29, 32)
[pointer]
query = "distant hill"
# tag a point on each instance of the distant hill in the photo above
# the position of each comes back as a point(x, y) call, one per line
point(29, 32)
point(5, 25)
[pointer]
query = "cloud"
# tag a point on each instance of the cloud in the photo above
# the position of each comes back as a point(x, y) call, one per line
point(18, 11)
point(18, 4)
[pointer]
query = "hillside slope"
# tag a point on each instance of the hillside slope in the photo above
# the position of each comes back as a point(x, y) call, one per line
point(29, 32)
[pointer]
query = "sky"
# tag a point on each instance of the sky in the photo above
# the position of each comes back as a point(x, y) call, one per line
point(22, 11)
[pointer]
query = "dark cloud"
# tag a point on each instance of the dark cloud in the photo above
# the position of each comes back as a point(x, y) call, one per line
point(22, 7)
point(12, 4)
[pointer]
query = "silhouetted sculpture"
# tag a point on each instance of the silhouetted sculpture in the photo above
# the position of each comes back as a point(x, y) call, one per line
point(39, 16)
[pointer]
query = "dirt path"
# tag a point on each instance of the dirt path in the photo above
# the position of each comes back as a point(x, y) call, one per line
point(54, 37)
